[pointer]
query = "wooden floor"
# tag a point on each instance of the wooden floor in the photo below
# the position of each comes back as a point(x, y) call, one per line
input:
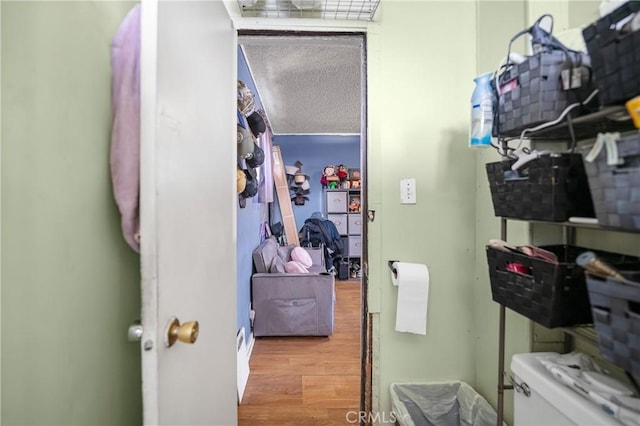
point(308, 380)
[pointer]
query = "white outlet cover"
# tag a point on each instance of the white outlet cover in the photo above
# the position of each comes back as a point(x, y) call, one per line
point(408, 191)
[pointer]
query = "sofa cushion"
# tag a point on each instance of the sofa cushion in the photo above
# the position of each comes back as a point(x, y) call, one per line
point(295, 267)
point(300, 255)
point(263, 254)
point(285, 252)
point(277, 266)
point(269, 249)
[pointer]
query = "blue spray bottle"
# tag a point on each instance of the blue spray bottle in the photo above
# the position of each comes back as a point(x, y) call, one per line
point(482, 104)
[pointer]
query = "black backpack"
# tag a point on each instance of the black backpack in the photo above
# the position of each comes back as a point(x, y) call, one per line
point(318, 232)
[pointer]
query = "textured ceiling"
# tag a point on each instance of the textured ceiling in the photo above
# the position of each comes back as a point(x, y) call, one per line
point(307, 85)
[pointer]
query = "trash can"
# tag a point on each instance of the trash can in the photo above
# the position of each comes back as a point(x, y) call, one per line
point(453, 403)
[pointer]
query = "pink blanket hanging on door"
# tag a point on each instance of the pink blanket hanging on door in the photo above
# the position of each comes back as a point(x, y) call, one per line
point(125, 136)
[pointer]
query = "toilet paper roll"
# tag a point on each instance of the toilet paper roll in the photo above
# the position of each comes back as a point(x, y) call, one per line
point(412, 280)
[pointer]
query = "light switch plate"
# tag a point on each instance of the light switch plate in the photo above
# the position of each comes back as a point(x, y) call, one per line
point(408, 191)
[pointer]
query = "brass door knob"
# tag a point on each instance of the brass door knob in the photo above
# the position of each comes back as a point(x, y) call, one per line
point(186, 332)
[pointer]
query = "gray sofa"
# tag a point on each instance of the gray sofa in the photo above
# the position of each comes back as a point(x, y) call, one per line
point(291, 304)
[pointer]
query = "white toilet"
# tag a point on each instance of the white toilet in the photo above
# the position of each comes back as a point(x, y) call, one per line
point(550, 402)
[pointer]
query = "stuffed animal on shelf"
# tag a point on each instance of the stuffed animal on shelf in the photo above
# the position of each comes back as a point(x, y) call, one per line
point(354, 205)
point(342, 173)
point(329, 177)
point(354, 178)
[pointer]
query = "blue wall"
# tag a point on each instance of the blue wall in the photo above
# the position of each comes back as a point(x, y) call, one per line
point(315, 152)
point(249, 221)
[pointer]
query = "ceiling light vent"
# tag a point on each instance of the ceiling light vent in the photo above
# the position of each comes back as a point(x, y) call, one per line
point(362, 10)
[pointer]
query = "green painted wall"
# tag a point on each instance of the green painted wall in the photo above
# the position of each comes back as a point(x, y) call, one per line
point(422, 62)
point(70, 285)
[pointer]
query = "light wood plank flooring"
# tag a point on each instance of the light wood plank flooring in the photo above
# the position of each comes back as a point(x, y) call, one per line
point(308, 380)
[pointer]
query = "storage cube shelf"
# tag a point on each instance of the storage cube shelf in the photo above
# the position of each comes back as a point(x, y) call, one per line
point(354, 224)
point(340, 208)
point(340, 221)
point(336, 201)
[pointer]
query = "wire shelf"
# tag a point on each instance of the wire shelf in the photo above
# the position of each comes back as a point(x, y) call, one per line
point(362, 10)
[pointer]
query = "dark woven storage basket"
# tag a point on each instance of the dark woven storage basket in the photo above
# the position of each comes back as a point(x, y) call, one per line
point(554, 295)
point(552, 188)
point(615, 190)
point(616, 316)
point(615, 56)
point(538, 96)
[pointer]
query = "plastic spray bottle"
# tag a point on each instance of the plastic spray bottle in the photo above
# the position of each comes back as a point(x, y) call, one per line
point(482, 104)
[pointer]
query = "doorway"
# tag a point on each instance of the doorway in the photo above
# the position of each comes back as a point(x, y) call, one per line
point(315, 129)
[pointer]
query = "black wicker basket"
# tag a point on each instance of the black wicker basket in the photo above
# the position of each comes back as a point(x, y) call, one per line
point(536, 93)
point(554, 295)
point(616, 316)
point(615, 56)
point(615, 189)
point(551, 188)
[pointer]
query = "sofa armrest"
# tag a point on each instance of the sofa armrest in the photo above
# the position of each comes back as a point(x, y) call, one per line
point(306, 281)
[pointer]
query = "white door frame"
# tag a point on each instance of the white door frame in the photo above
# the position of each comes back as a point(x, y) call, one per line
point(0, 212)
point(329, 26)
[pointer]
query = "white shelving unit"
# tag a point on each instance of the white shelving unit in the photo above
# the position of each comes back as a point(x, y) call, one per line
point(349, 225)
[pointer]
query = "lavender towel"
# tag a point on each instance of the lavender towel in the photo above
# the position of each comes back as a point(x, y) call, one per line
point(125, 136)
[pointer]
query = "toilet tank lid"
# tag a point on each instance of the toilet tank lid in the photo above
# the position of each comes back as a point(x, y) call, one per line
point(582, 411)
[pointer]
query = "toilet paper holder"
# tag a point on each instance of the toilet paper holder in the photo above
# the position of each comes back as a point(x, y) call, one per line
point(393, 270)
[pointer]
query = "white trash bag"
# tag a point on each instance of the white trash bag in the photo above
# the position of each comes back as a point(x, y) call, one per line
point(452, 403)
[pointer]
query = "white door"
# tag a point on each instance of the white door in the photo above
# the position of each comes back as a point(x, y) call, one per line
point(188, 211)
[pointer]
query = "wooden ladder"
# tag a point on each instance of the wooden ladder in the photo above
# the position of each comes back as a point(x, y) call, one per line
point(284, 200)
